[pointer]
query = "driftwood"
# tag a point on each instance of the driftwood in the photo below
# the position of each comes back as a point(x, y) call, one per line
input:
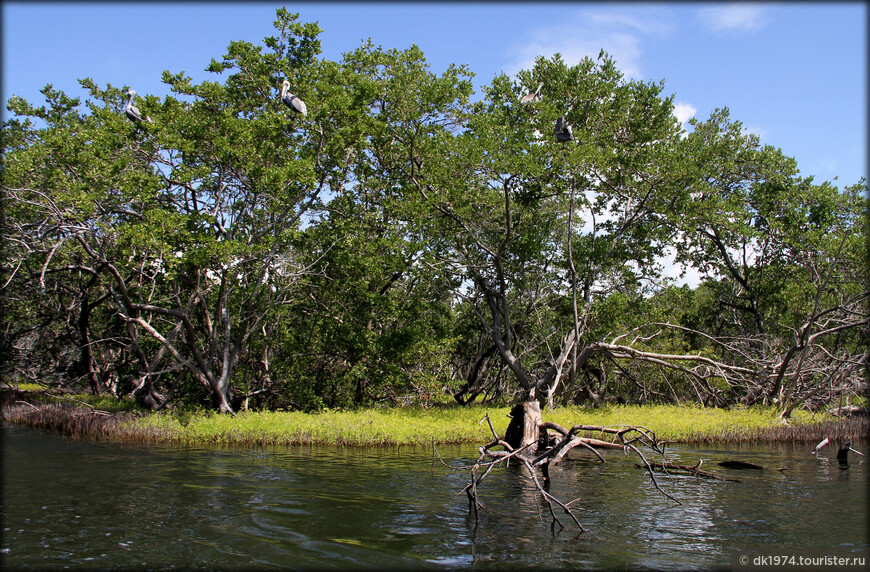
point(666, 467)
point(536, 444)
point(730, 464)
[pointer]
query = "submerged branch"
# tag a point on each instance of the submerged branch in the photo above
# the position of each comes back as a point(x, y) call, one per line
point(539, 453)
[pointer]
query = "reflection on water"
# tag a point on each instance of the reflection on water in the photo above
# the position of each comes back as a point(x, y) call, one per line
point(78, 504)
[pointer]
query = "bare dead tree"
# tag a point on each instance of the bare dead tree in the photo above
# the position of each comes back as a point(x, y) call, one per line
point(809, 368)
point(815, 368)
point(537, 444)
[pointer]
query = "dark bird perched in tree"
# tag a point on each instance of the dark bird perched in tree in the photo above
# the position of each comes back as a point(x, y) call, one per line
point(291, 100)
point(132, 111)
point(533, 95)
point(563, 131)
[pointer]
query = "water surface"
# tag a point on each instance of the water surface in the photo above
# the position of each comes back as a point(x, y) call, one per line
point(80, 504)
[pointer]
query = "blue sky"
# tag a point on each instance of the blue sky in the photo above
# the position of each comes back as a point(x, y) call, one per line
point(794, 73)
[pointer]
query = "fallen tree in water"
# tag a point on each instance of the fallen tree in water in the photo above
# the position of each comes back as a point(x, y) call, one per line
point(537, 444)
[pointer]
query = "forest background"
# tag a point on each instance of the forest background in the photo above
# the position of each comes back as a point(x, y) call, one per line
point(406, 242)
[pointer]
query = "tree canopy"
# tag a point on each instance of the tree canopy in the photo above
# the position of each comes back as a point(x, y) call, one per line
point(403, 240)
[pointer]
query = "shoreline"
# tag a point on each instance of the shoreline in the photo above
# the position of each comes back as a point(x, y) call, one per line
point(410, 426)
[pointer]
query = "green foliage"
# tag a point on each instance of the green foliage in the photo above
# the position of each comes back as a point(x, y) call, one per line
point(402, 243)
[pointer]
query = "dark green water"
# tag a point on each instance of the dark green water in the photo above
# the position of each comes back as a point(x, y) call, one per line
point(87, 505)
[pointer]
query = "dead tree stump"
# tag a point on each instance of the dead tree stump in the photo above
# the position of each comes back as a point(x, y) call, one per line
point(525, 432)
point(529, 441)
point(524, 428)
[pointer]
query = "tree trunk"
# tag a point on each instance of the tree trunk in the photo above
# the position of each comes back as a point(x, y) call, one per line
point(221, 402)
point(86, 360)
point(523, 428)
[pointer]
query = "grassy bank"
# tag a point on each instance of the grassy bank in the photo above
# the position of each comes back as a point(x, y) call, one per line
point(462, 425)
point(410, 426)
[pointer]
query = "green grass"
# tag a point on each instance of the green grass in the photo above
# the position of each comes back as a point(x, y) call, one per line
point(406, 426)
point(108, 403)
point(685, 423)
point(409, 426)
point(23, 386)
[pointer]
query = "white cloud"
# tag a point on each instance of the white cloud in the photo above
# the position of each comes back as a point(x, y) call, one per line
point(739, 17)
point(588, 31)
point(760, 132)
point(684, 112)
point(623, 48)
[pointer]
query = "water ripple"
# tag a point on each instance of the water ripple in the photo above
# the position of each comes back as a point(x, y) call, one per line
point(97, 505)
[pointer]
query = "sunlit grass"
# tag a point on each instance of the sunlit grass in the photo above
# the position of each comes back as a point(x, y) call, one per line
point(687, 423)
point(358, 428)
point(459, 425)
point(108, 417)
point(104, 402)
point(26, 386)
point(108, 403)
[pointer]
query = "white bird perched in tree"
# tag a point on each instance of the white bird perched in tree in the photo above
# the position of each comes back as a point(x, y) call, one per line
point(533, 95)
point(291, 100)
point(132, 111)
